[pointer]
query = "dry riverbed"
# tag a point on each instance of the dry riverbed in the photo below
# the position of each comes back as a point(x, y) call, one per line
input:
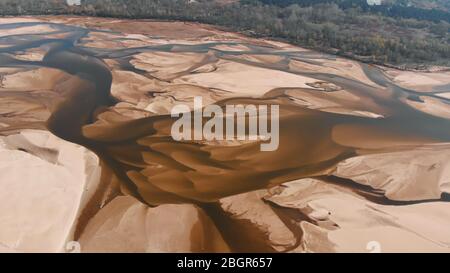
point(85, 153)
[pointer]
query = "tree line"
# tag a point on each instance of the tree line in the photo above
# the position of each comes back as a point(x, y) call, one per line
point(397, 9)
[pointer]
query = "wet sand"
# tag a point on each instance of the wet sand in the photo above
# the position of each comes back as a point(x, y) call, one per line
point(109, 85)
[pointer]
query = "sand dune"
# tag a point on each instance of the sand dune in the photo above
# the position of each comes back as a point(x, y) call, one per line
point(126, 225)
point(25, 29)
point(244, 80)
point(421, 81)
point(352, 224)
point(413, 175)
point(43, 179)
point(259, 219)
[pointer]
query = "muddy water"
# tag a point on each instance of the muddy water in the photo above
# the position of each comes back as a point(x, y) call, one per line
point(158, 170)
